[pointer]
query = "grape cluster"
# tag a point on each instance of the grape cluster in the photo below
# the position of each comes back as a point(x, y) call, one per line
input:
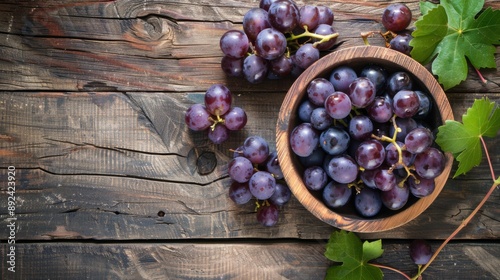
point(256, 173)
point(216, 115)
point(278, 39)
point(365, 131)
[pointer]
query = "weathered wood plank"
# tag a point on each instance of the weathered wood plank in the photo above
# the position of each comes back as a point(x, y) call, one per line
point(257, 260)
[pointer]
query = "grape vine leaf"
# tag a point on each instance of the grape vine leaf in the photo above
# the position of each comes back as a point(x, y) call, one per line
point(463, 139)
point(346, 247)
point(449, 33)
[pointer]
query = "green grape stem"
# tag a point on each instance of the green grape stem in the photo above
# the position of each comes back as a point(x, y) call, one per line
point(307, 33)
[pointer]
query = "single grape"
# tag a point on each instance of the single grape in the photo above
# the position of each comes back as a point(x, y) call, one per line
point(326, 15)
point(283, 15)
point(233, 67)
point(341, 77)
point(421, 187)
point(385, 180)
point(314, 178)
point(218, 99)
point(380, 110)
point(262, 185)
point(318, 90)
point(419, 139)
point(420, 251)
point(395, 198)
point(268, 215)
point(270, 44)
point(239, 193)
point(305, 110)
point(256, 149)
point(234, 43)
point(370, 154)
point(309, 16)
point(265, 4)
point(338, 105)
point(376, 74)
point(334, 140)
point(336, 195)
point(368, 202)
point(235, 119)
point(398, 81)
point(430, 163)
point(218, 134)
point(396, 17)
point(401, 43)
point(281, 195)
point(254, 21)
point(361, 92)
point(316, 158)
point(281, 66)
point(343, 169)
point(255, 69)
point(325, 29)
point(306, 55)
point(320, 119)
point(272, 165)
point(360, 127)
point(405, 103)
point(304, 139)
point(368, 177)
point(197, 117)
point(240, 169)
point(425, 105)
point(392, 156)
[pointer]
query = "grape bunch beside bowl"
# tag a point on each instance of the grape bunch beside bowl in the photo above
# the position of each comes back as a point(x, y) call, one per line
point(348, 217)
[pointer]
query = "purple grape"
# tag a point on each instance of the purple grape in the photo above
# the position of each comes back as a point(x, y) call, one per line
point(338, 105)
point(265, 4)
point(240, 169)
point(238, 152)
point(401, 43)
point(256, 149)
point(273, 166)
point(316, 158)
point(233, 67)
point(380, 110)
point(334, 141)
point(197, 117)
point(270, 44)
point(318, 90)
point(306, 55)
point(376, 74)
point(283, 15)
point(425, 105)
point(360, 127)
point(385, 180)
point(396, 17)
point(304, 139)
point(234, 43)
point(309, 16)
point(326, 15)
point(314, 178)
point(320, 119)
point(281, 195)
point(370, 154)
point(336, 195)
point(343, 169)
point(421, 187)
point(361, 92)
point(218, 134)
point(262, 185)
point(396, 197)
point(405, 103)
point(305, 110)
point(368, 177)
point(325, 29)
point(254, 69)
point(218, 99)
point(430, 163)
point(368, 202)
point(239, 193)
point(420, 251)
point(254, 21)
point(235, 119)
point(268, 215)
point(398, 81)
point(419, 139)
point(406, 125)
point(341, 77)
point(281, 66)
point(392, 156)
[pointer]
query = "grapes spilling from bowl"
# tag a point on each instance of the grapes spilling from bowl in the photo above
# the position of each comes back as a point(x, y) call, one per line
point(364, 141)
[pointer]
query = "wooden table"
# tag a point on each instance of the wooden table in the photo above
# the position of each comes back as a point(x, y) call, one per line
point(92, 104)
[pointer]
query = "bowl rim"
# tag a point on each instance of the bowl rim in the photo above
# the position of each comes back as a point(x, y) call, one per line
point(286, 117)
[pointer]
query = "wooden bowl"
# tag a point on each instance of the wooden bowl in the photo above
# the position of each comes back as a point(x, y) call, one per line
point(357, 57)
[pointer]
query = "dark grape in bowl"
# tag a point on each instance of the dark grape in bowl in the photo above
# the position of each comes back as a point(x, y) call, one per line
point(349, 217)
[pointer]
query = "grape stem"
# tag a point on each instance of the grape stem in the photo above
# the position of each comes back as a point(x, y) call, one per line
point(483, 80)
point(215, 121)
point(390, 268)
point(386, 35)
point(307, 33)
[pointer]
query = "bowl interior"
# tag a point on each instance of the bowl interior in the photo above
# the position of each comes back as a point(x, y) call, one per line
point(356, 58)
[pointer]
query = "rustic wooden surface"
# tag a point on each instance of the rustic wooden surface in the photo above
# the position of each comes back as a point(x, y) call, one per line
point(92, 96)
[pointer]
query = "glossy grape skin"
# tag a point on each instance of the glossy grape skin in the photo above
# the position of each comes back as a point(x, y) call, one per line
point(420, 251)
point(218, 134)
point(265, 4)
point(318, 90)
point(368, 177)
point(401, 43)
point(325, 29)
point(283, 15)
point(405, 103)
point(392, 156)
point(376, 74)
point(326, 15)
point(281, 66)
point(380, 110)
point(306, 55)
point(197, 117)
point(361, 92)
point(234, 43)
point(320, 119)
point(368, 202)
point(395, 198)
point(341, 77)
point(423, 188)
point(338, 105)
point(430, 163)
point(342, 169)
point(270, 44)
point(233, 67)
point(398, 81)
point(256, 149)
point(240, 169)
point(396, 17)
point(385, 180)
point(360, 127)
point(419, 139)
point(304, 139)
point(255, 69)
point(268, 215)
point(218, 99)
point(336, 195)
point(334, 141)
point(315, 178)
point(281, 195)
point(240, 193)
point(370, 154)
point(272, 165)
point(425, 105)
point(406, 125)
point(254, 21)
point(309, 16)
point(305, 110)
point(262, 185)
point(235, 119)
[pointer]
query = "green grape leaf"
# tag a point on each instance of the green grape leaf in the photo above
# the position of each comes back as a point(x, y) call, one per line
point(426, 7)
point(346, 248)
point(463, 139)
point(450, 33)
